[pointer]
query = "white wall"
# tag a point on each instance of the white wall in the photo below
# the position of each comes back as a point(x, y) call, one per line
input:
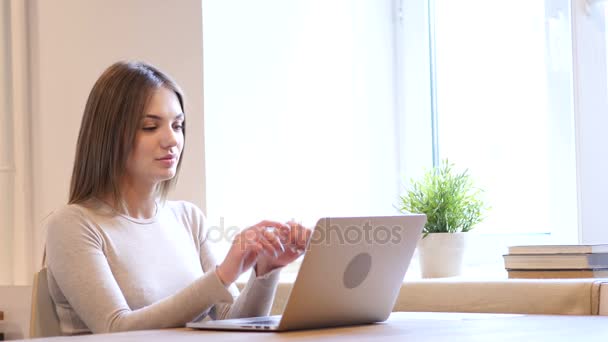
point(72, 42)
point(57, 55)
point(59, 48)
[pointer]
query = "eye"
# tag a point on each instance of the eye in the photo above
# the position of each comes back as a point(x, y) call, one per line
point(149, 128)
point(178, 126)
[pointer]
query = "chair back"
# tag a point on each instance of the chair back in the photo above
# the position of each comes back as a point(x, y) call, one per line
point(44, 321)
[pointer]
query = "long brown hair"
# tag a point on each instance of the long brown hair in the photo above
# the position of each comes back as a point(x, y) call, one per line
point(109, 126)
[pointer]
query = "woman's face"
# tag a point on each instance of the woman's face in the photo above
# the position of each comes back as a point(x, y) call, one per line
point(159, 140)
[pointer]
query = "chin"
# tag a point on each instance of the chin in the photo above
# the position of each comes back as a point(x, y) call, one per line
point(166, 176)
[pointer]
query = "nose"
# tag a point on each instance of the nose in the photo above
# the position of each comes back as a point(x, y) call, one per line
point(169, 138)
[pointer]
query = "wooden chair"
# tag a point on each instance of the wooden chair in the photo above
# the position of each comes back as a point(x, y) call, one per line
point(44, 321)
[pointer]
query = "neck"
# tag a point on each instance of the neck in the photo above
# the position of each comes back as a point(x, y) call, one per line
point(137, 201)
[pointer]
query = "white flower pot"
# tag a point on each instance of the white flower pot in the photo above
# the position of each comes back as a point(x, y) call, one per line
point(441, 254)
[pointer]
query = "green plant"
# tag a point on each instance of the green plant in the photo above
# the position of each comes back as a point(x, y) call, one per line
point(449, 199)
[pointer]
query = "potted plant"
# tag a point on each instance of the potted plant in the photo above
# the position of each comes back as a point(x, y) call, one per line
point(453, 206)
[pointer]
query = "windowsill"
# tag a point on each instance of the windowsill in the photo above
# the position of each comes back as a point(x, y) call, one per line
point(483, 259)
point(479, 291)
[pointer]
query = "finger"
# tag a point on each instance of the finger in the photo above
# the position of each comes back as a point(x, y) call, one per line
point(277, 234)
point(246, 239)
point(299, 235)
point(250, 234)
point(246, 242)
point(272, 236)
point(293, 233)
point(240, 257)
point(273, 224)
point(268, 247)
point(266, 239)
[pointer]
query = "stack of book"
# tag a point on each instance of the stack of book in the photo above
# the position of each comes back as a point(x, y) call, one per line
point(557, 261)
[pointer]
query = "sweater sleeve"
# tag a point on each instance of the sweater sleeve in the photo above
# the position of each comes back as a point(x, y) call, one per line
point(255, 299)
point(80, 269)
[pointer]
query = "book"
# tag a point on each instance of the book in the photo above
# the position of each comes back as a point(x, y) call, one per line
point(558, 249)
point(555, 261)
point(556, 274)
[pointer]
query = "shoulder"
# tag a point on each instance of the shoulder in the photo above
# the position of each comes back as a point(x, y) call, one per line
point(191, 216)
point(188, 213)
point(70, 222)
point(185, 209)
point(70, 214)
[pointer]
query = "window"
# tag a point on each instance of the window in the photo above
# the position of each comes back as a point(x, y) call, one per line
point(299, 110)
point(504, 109)
point(317, 108)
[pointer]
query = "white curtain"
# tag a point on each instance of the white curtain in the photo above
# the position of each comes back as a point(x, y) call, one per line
point(16, 228)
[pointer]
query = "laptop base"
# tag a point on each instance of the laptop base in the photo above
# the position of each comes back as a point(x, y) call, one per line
point(264, 323)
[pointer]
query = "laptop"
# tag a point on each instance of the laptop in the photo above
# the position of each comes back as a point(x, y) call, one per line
point(351, 274)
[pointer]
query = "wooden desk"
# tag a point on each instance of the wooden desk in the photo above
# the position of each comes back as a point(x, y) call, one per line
point(403, 326)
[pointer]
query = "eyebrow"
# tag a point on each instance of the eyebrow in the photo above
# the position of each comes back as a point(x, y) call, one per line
point(158, 117)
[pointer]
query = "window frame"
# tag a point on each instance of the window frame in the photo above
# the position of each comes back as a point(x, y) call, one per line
point(590, 104)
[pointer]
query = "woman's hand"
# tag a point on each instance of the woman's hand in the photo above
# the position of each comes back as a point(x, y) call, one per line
point(270, 244)
point(294, 240)
point(246, 247)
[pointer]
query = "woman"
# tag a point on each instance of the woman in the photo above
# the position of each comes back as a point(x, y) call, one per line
point(120, 257)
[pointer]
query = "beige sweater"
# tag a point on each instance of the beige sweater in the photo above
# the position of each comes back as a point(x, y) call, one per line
point(110, 272)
